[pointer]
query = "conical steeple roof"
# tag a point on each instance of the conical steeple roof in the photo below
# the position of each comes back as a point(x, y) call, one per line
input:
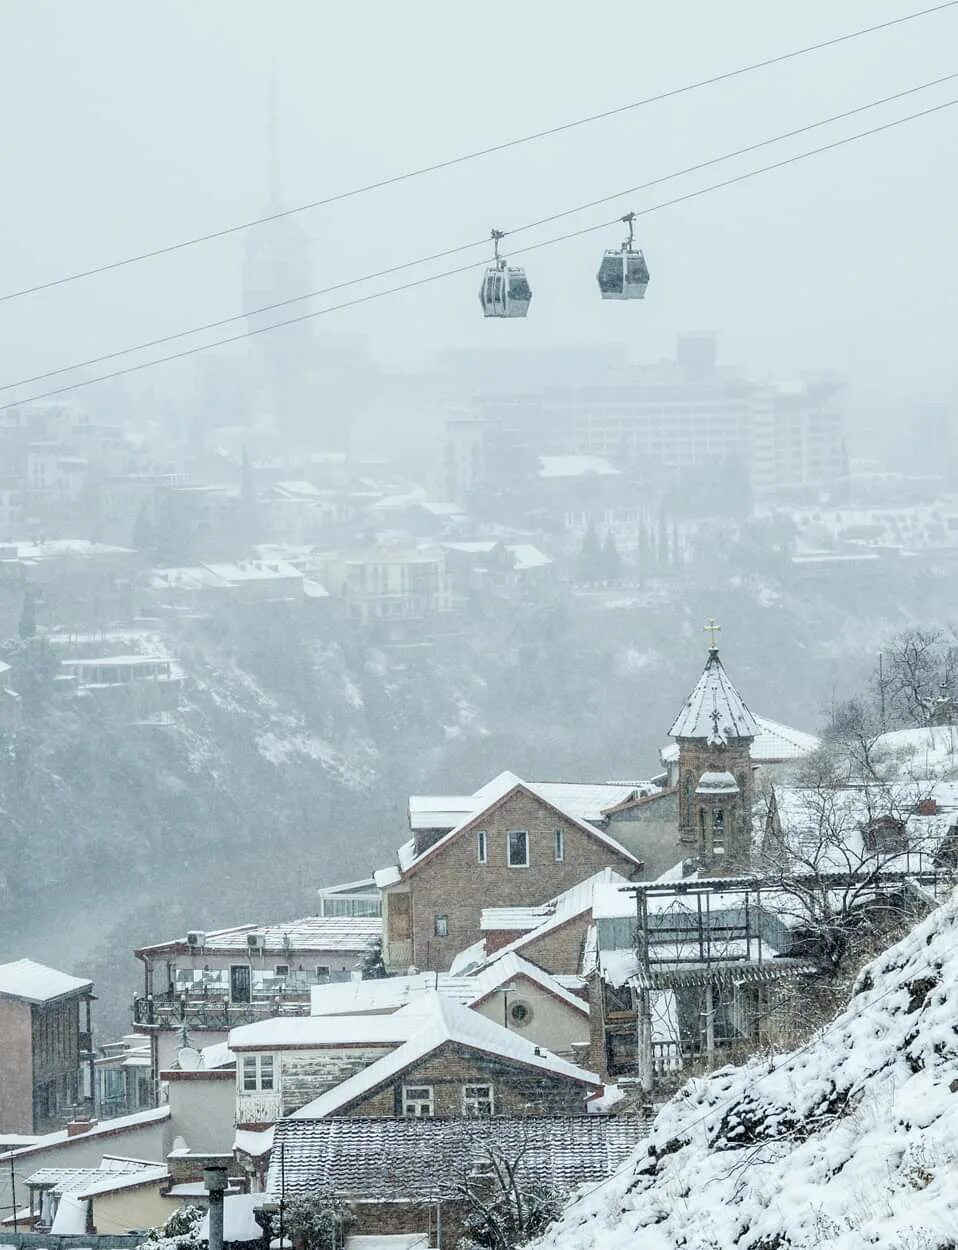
point(715, 712)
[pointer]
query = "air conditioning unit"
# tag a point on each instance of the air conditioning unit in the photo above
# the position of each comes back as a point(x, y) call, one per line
point(195, 938)
point(256, 941)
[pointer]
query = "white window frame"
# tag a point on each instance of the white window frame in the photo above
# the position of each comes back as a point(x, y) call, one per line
point(509, 836)
point(440, 930)
point(421, 1098)
point(261, 1070)
point(558, 846)
point(482, 846)
point(472, 1098)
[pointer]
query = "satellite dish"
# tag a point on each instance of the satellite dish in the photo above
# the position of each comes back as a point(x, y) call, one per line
point(190, 1060)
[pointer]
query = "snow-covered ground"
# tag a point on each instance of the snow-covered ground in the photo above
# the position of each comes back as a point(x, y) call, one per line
point(850, 1141)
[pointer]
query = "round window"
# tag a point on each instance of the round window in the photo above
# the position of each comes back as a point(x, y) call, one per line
point(520, 1014)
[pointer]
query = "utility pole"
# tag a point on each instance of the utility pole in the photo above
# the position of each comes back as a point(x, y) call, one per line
point(215, 1179)
point(644, 1007)
point(13, 1195)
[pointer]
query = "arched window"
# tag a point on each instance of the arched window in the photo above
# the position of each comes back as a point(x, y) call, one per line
point(689, 786)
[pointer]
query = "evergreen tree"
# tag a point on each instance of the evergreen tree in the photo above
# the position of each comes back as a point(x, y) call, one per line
point(371, 965)
point(611, 560)
point(27, 627)
point(590, 557)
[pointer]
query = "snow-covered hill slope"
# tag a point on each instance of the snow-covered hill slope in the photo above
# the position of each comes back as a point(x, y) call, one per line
point(849, 1142)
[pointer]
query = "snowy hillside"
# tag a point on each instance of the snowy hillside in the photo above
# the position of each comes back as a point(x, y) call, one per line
point(851, 1141)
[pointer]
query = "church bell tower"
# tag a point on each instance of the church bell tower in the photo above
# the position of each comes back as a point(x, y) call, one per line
point(714, 732)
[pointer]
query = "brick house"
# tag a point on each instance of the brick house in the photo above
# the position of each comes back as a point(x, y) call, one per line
point(433, 1057)
point(46, 1051)
point(388, 1170)
point(520, 844)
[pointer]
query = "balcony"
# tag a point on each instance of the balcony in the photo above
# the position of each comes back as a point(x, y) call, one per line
point(214, 1013)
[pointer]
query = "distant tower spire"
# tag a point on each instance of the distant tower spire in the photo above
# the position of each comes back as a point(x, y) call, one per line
point(275, 198)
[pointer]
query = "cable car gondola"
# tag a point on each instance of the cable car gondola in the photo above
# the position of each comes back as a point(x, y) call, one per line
point(623, 273)
point(505, 291)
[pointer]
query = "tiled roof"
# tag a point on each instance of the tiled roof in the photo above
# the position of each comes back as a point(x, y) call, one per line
point(714, 712)
point(396, 1157)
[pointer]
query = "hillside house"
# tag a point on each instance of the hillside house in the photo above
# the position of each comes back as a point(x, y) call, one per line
point(134, 687)
point(210, 982)
point(123, 1077)
point(514, 843)
point(386, 1167)
point(433, 1057)
point(46, 1050)
point(696, 964)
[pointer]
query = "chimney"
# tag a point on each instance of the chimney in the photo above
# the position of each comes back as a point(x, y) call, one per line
point(76, 1127)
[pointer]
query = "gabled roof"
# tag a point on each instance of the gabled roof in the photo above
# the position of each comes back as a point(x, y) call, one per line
point(501, 788)
point(576, 901)
point(105, 1128)
point(440, 1020)
point(315, 1032)
point(395, 1158)
point(714, 712)
point(36, 983)
point(390, 994)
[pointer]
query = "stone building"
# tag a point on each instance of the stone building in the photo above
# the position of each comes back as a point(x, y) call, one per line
point(518, 846)
point(714, 732)
point(433, 1057)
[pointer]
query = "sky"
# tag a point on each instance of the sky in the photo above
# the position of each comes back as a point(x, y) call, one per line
point(131, 125)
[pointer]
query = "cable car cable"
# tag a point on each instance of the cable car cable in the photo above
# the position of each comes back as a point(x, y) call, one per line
point(479, 152)
point(463, 247)
point(448, 273)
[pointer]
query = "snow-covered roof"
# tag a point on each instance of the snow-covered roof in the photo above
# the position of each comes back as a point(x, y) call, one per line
point(109, 1181)
point(255, 571)
point(437, 1020)
point(395, 1157)
point(526, 556)
point(575, 466)
point(310, 933)
point(105, 1128)
point(774, 744)
point(389, 994)
point(74, 547)
point(716, 783)
point(714, 712)
point(567, 798)
point(254, 1144)
point(36, 983)
point(315, 1032)
point(575, 901)
point(110, 1174)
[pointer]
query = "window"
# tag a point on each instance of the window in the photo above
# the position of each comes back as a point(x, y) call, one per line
point(477, 1100)
point(718, 829)
point(558, 846)
point(520, 1015)
point(322, 973)
point(417, 1100)
point(518, 848)
point(482, 846)
point(282, 970)
point(258, 1073)
point(441, 926)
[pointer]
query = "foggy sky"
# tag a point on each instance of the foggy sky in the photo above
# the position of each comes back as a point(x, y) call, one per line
point(129, 126)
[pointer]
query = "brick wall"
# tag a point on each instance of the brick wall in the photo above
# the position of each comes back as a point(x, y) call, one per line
point(560, 950)
point(16, 1067)
point(384, 1218)
point(517, 1089)
point(695, 758)
point(455, 885)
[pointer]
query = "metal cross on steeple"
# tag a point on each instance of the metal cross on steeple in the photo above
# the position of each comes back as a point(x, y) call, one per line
point(712, 629)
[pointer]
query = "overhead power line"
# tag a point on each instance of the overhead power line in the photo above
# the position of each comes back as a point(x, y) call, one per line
point(448, 273)
point(480, 152)
point(483, 242)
